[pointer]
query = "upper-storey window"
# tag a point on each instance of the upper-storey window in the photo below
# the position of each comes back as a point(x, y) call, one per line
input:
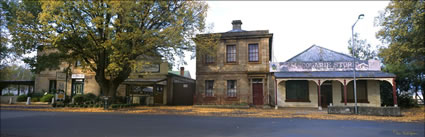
point(253, 52)
point(78, 63)
point(231, 53)
point(209, 59)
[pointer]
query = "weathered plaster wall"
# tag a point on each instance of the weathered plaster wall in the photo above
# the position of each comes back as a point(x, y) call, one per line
point(312, 87)
point(373, 93)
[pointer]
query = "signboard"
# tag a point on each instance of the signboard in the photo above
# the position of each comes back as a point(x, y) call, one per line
point(370, 65)
point(60, 96)
point(60, 76)
point(148, 68)
point(61, 85)
point(77, 76)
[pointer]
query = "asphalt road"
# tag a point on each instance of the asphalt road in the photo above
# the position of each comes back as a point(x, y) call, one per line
point(58, 124)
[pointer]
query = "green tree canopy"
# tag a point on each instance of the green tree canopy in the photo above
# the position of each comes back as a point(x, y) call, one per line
point(107, 36)
point(403, 30)
point(363, 49)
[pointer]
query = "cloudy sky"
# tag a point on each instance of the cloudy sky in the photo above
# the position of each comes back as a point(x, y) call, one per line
point(297, 25)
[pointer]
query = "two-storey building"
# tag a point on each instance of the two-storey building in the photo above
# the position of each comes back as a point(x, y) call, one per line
point(238, 73)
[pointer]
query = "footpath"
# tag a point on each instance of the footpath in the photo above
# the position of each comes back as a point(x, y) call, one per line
point(408, 115)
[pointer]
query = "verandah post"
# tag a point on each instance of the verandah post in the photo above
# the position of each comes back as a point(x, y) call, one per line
point(394, 93)
point(318, 95)
point(345, 92)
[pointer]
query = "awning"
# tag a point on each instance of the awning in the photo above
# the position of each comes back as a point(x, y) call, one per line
point(334, 74)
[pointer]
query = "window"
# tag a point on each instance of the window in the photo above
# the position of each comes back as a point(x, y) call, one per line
point(77, 63)
point(361, 91)
point(253, 52)
point(231, 53)
point(209, 86)
point(209, 59)
point(52, 85)
point(231, 88)
point(297, 91)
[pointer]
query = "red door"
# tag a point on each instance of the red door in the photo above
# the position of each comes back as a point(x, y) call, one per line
point(257, 93)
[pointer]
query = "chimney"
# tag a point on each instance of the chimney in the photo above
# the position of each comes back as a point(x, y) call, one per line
point(237, 24)
point(182, 71)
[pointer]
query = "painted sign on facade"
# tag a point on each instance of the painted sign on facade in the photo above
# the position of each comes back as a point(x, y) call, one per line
point(152, 68)
point(370, 65)
point(60, 76)
point(77, 76)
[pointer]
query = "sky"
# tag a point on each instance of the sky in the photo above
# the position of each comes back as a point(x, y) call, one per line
point(297, 25)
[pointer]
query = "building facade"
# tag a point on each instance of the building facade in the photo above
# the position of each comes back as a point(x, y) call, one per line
point(319, 77)
point(238, 73)
point(148, 84)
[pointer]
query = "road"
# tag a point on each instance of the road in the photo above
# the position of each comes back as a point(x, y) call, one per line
point(58, 124)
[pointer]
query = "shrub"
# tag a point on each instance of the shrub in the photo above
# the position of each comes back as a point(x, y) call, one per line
point(406, 101)
point(8, 94)
point(22, 98)
point(79, 99)
point(89, 98)
point(54, 105)
point(35, 99)
point(37, 94)
point(114, 105)
point(46, 98)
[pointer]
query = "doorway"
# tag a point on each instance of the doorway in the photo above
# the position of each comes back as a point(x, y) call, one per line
point(257, 91)
point(326, 94)
point(77, 86)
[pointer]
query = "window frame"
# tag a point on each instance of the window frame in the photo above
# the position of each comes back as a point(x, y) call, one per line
point(351, 100)
point(235, 54)
point(207, 57)
point(297, 99)
point(257, 52)
point(209, 92)
point(232, 92)
point(52, 84)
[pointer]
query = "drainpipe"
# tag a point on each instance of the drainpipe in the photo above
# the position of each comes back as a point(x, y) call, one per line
point(275, 87)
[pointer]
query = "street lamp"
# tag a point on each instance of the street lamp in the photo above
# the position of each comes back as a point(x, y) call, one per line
point(354, 62)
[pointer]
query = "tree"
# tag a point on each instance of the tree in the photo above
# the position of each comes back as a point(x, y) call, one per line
point(363, 49)
point(109, 37)
point(403, 30)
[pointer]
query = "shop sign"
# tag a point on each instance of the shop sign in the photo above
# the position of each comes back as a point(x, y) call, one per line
point(81, 76)
point(60, 76)
point(362, 65)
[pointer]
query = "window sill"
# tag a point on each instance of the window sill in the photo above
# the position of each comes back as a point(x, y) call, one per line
point(295, 100)
point(231, 98)
point(254, 62)
point(358, 101)
point(210, 98)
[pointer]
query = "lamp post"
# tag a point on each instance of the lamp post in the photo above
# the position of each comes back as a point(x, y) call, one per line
point(354, 62)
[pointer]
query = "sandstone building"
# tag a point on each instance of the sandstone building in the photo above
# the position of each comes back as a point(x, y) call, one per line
point(239, 72)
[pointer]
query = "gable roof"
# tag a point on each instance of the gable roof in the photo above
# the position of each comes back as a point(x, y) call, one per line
point(317, 53)
point(186, 73)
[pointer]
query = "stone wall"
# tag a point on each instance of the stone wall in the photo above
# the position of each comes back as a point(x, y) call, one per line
point(378, 111)
point(5, 99)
